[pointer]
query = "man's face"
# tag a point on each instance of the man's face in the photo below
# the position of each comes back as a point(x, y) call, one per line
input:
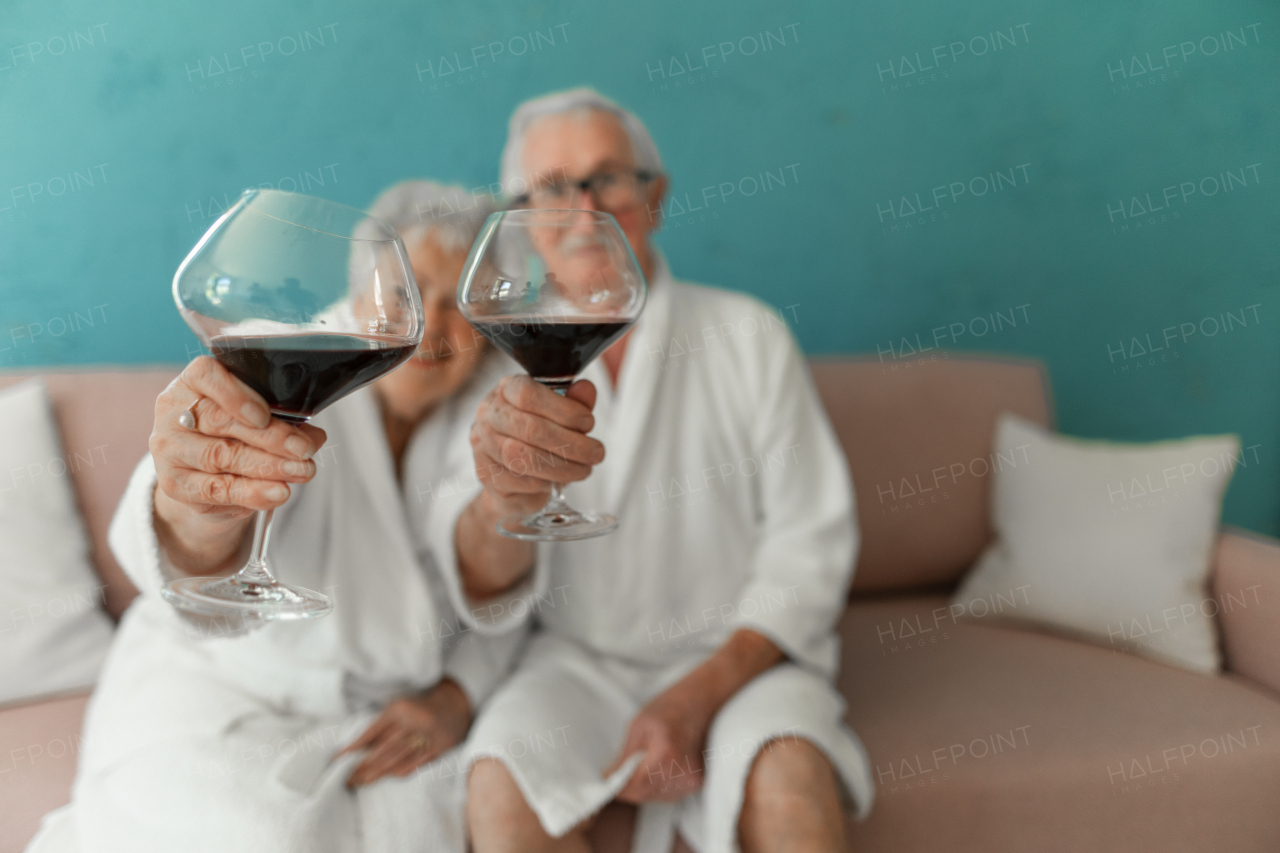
point(577, 145)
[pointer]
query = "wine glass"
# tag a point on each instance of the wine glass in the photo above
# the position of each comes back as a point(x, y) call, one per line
point(553, 289)
point(305, 301)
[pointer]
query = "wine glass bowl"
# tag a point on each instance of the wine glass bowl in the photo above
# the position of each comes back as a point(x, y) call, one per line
point(305, 301)
point(553, 289)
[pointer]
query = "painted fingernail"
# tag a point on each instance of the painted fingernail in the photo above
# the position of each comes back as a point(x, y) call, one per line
point(298, 446)
point(255, 414)
point(277, 492)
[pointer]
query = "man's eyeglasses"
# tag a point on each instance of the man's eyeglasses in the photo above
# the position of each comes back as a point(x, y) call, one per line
point(610, 190)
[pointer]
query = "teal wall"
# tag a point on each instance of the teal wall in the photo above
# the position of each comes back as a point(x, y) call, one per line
point(119, 142)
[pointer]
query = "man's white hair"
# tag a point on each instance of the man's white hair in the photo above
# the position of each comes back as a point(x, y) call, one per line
point(515, 182)
point(450, 214)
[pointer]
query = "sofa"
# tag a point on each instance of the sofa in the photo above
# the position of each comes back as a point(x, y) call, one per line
point(982, 735)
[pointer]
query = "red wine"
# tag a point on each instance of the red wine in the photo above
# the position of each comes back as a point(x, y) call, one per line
point(553, 352)
point(298, 375)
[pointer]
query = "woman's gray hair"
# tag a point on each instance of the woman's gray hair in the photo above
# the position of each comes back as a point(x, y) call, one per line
point(515, 182)
point(449, 213)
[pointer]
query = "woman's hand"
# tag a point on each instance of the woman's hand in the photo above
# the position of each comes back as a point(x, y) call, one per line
point(211, 479)
point(412, 731)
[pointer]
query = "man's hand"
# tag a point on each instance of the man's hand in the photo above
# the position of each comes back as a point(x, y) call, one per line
point(410, 732)
point(671, 731)
point(525, 437)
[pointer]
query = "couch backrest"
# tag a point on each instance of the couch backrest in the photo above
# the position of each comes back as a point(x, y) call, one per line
point(105, 420)
point(918, 436)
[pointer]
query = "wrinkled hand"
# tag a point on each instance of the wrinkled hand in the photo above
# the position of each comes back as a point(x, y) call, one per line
point(238, 459)
point(410, 732)
point(670, 731)
point(526, 437)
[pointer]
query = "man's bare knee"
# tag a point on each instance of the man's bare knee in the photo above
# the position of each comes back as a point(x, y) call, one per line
point(493, 795)
point(788, 767)
point(792, 800)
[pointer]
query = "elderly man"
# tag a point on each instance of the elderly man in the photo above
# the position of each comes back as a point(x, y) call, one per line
point(684, 662)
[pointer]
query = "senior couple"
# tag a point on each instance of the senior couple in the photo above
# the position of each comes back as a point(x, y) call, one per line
point(471, 689)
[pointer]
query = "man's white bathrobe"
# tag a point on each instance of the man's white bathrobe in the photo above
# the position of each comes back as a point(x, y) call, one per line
point(736, 512)
point(198, 741)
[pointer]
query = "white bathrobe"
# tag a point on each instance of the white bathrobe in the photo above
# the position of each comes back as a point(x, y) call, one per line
point(736, 512)
point(196, 740)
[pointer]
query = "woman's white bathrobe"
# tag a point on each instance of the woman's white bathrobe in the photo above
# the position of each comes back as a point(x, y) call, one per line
point(736, 511)
point(200, 741)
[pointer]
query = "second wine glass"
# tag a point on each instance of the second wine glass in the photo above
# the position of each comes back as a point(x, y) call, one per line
point(553, 289)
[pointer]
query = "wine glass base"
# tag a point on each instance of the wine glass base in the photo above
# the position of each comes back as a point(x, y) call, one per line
point(218, 596)
point(557, 526)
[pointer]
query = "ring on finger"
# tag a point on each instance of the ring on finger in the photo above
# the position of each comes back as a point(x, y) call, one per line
point(419, 742)
point(187, 419)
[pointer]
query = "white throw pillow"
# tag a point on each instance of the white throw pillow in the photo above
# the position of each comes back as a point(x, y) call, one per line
point(53, 632)
point(1107, 541)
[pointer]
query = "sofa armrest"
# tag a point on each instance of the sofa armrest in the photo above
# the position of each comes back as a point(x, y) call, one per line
point(1246, 585)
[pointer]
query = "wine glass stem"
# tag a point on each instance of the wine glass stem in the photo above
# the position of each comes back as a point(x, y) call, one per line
point(556, 501)
point(255, 571)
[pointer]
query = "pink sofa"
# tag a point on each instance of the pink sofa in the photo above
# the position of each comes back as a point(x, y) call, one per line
point(983, 737)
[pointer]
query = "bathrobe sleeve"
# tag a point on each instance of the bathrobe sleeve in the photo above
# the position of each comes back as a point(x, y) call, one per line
point(803, 565)
point(446, 498)
point(508, 611)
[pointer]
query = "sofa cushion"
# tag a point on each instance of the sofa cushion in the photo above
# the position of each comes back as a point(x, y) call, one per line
point(990, 738)
point(917, 436)
point(105, 420)
point(53, 635)
point(1112, 541)
point(39, 747)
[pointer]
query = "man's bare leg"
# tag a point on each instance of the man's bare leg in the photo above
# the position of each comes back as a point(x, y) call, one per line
point(792, 801)
point(502, 822)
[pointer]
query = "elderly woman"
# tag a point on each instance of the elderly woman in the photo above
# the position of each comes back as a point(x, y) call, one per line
point(331, 734)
